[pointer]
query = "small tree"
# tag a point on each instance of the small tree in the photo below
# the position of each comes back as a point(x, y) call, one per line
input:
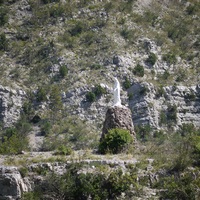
point(152, 59)
point(63, 71)
point(115, 141)
point(126, 83)
point(3, 42)
point(90, 96)
point(139, 70)
point(41, 94)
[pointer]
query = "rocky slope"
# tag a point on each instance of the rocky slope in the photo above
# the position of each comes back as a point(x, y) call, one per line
point(58, 60)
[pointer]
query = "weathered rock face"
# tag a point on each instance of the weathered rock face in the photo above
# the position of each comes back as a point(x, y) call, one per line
point(149, 105)
point(118, 117)
point(10, 104)
point(12, 184)
point(146, 102)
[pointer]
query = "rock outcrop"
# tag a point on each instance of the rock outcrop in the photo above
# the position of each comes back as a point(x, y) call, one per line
point(118, 117)
point(11, 102)
point(12, 185)
point(150, 104)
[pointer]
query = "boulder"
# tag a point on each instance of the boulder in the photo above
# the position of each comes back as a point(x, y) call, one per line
point(118, 117)
point(12, 184)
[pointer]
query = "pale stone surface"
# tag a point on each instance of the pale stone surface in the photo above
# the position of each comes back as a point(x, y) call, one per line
point(11, 102)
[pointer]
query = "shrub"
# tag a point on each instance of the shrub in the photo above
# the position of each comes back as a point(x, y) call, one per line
point(75, 184)
point(3, 42)
point(1, 2)
point(23, 171)
point(63, 71)
point(182, 75)
point(150, 17)
point(151, 59)
point(14, 144)
point(56, 10)
point(160, 92)
point(127, 34)
point(192, 9)
point(165, 75)
point(41, 94)
point(170, 58)
point(138, 70)
point(63, 150)
point(3, 15)
point(99, 90)
point(143, 132)
point(183, 187)
point(172, 113)
point(95, 66)
point(163, 118)
point(126, 83)
point(115, 141)
point(90, 97)
point(77, 28)
point(46, 128)
point(130, 96)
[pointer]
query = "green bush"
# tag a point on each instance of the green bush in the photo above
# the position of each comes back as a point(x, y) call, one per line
point(192, 9)
point(176, 188)
point(63, 71)
point(143, 90)
point(151, 59)
point(81, 186)
point(160, 92)
point(127, 34)
point(23, 171)
point(170, 58)
point(3, 42)
point(1, 2)
point(115, 141)
point(172, 113)
point(182, 75)
point(95, 66)
point(163, 118)
point(41, 94)
point(56, 10)
point(150, 17)
point(143, 132)
point(99, 90)
point(3, 15)
point(165, 75)
point(77, 28)
point(126, 83)
point(46, 128)
point(90, 97)
point(14, 144)
point(63, 150)
point(138, 70)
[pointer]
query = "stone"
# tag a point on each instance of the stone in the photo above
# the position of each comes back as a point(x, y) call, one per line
point(118, 117)
point(11, 102)
point(12, 184)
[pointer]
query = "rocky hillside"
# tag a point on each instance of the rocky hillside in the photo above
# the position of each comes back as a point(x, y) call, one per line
point(58, 61)
point(75, 46)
